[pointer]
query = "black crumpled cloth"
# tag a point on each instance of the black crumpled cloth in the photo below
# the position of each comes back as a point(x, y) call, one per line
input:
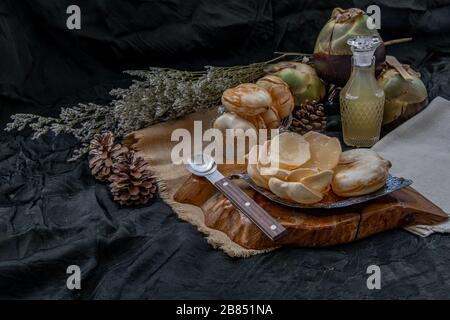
point(54, 214)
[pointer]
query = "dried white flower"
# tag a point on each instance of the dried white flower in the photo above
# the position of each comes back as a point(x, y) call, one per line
point(161, 95)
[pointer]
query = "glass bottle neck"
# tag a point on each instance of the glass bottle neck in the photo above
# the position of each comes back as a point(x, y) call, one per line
point(358, 67)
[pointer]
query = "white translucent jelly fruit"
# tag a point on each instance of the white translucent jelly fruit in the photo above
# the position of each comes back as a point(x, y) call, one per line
point(279, 188)
point(263, 154)
point(300, 193)
point(289, 151)
point(295, 191)
point(252, 169)
point(274, 172)
point(319, 182)
point(299, 174)
point(325, 151)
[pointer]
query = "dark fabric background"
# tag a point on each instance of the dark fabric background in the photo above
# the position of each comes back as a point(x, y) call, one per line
point(53, 214)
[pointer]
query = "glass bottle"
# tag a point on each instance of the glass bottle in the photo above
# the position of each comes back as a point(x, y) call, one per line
point(362, 99)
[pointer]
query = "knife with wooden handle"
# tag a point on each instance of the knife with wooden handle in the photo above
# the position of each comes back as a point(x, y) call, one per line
point(206, 167)
point(272, 228)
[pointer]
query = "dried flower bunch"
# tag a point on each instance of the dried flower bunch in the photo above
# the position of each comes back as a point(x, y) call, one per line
point(161, 94)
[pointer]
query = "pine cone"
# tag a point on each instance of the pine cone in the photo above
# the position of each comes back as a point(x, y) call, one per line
point(132, 181)
point(103, 152)
point(309, 117)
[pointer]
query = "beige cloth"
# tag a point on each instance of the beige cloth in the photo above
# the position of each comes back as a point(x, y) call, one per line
point(419, 149)
point(156, 145)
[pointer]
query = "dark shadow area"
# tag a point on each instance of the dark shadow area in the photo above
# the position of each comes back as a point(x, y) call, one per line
point(53, 214)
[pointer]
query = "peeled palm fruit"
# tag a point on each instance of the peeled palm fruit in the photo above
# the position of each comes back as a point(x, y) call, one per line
point(263, 154)
point(257, 121)
point(252, 169)
point(295, 191)
point(264, 166)
point(232, 121)
point(274, 172)
point(297, 168)
point(360, 171)
point(299, 174)
point(247, 100)
point(319, 182)
point(279, 188)
point(282, 98)
point(271, 118)
point(256, 177)
point(325, 151)
point(289, 150)
point(300, 193)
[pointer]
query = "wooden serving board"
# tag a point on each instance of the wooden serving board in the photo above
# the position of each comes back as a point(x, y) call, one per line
point(307, 228)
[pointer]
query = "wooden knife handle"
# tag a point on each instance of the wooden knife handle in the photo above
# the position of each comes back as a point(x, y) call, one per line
point(272, 228)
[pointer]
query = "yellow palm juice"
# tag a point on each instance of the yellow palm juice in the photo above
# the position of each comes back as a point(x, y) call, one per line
point(362, 100)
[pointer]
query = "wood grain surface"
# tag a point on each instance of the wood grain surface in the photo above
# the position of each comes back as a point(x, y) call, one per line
point(307, 228)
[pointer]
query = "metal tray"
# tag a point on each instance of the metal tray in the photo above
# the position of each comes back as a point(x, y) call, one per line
point(330, 201)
